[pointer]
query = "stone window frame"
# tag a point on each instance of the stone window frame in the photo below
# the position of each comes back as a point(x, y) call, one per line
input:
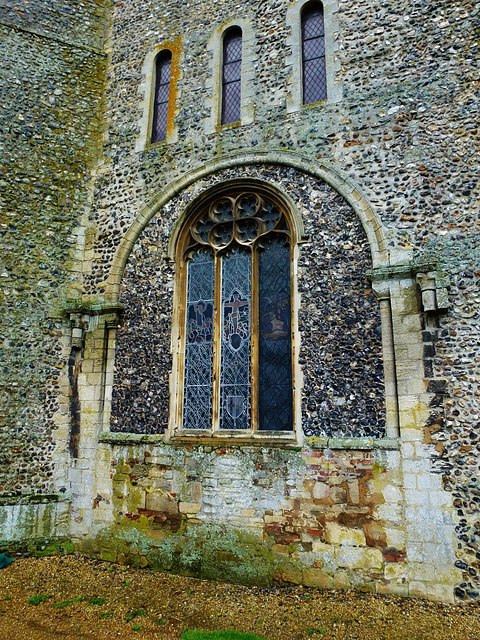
point(214, 78)
point(147, 91)
point(294, 60)
point(295, 224)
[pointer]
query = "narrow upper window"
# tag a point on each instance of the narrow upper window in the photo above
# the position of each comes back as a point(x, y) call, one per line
point(231, 75)
point(162, 96)
point(313, 54)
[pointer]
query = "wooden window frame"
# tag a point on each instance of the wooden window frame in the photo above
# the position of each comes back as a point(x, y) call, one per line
point(183, 246)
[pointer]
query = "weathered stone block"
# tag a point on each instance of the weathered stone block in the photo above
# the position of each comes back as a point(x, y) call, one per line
point(317, 578)
point(190, 507)
point(338, 535)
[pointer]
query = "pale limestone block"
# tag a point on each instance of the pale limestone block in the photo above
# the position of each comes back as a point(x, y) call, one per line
point(351, 557)
point(189, 507)
point(321, 490)
point(247, 513)
point(437, 592)
point(274, 519)
point(415, 552)
point(410, 481)
point(322, 547)
point(317, 578)
point(422, 571)
point(354, 492)
point(408, 450)
point(390, 512)
point(342, 580)
point(395, 538)
point(392, 494)
point(371, 559)
point(396, 571)
point(419, 532)
point(197, 492)
point(414, 497)
point(411, 435)
point(160, 502)
point(338, 535)
point(440, 499)
point(392, 588)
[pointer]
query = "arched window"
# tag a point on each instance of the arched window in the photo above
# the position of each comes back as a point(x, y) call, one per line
point(236, 312)
point(231, 75)
point(162, 96)
point(314, 74)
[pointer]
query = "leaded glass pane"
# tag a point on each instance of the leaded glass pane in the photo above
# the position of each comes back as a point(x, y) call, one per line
point(197, 402)
point(235, 393)
point(231, 76)
point(275, 334)
point(312, 23)
point(162, 95)
point(231, 102)
point(313, 56)
point(315, 81)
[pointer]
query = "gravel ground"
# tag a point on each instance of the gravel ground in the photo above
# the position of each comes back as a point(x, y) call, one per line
point(96, 600)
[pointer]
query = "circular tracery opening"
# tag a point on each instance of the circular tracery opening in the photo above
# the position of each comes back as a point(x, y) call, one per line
point(242, 218)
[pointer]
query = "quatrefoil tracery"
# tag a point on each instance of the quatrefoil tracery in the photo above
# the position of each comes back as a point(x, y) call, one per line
point(242, 219)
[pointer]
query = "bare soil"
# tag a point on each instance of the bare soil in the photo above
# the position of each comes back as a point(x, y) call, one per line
point(96, 600)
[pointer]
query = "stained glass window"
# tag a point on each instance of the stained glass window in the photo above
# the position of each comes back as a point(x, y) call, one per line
point(197, 403)
point(231, 75)
point(313, 54)
point(275, 330)
point(238, 374)
point(162, 96)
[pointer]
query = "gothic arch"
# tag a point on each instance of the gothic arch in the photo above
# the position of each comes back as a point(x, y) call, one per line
point(319, 169)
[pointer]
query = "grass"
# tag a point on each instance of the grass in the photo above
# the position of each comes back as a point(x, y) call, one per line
point(39, 599)
point(218, 635)
point(134, 614)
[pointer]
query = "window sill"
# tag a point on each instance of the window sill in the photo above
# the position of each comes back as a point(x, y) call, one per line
point(353, 444)
point(281, 440)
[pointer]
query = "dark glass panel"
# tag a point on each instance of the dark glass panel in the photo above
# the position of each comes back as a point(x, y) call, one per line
point(275, 338)
point(162, 95)
point(160, 122)
point(232, 72)
point(231, 102)
point(314, 81)
point(232, 50)
point(314, 49)
point(197, 402)
point(312, 23)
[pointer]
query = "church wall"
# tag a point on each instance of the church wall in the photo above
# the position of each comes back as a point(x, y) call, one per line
point(402, 127)
point(50, 91)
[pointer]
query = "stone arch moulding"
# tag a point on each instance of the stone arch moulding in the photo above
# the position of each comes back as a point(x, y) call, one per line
point(319, 169)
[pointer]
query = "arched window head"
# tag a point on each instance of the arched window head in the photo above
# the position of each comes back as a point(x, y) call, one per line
point(162, 96)
point(314, 74)
point(235, 270)
point(231, 75)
